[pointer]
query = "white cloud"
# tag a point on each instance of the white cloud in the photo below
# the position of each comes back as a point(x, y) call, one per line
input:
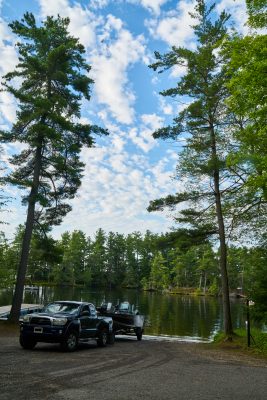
point(116, 190)
point(178, 71)
point(110, 67)
point(82, 21)
point(165, 107)
point(172, 154)
point(161, 176)
point(8, 61)
point(118, 143)
point(7, 110)
point(111, 54)
point(142, 136)
point(113, 23)
point(96, 4)
point(176, 27)
point(118, 185)
point(152, 120)
point(50, 7)
point(153, 5)
point(237, 9)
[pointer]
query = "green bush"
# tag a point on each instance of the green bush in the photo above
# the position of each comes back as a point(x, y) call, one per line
point(213, 289)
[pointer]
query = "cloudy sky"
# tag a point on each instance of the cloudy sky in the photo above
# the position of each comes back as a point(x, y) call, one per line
point(129, 168)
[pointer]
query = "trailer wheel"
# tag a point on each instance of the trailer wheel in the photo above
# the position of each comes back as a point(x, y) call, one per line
point(111, 338)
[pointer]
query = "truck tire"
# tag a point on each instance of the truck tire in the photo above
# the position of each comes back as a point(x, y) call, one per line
point(139, 333)
point(27, 343)
point(70, 342)
point(102, 338)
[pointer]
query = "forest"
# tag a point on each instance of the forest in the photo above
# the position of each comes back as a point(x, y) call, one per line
point(218, 243)
point(172, 262)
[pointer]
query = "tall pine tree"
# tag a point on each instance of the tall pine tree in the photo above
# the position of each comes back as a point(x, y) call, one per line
point(53, 79)
point(203, 125)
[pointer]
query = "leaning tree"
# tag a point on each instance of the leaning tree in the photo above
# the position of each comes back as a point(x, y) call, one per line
point(49, 83)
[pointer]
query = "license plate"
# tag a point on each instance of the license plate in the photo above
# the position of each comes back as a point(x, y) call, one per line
point(37, 330)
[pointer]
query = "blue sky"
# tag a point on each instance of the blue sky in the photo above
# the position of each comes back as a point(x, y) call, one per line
point(129, 168)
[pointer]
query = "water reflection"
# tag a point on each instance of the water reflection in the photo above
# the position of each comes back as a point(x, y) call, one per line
point(183, 316)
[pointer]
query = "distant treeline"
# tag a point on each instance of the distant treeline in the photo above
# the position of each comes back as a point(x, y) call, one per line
point(150, 261)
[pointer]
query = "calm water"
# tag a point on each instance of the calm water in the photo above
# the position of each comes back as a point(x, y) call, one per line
point(198, 318)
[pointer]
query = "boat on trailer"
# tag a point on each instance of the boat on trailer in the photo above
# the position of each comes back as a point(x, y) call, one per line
point(126, 318)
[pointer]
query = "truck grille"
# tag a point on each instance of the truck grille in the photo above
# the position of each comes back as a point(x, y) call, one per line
point(40, 321)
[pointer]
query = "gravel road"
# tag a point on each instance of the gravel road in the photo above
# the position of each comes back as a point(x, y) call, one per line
point(153, 370)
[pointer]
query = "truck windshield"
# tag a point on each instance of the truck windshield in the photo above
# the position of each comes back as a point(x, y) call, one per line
point(70, 308)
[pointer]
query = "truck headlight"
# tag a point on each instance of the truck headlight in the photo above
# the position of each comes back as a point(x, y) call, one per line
point(59, 321)
point(26, 318)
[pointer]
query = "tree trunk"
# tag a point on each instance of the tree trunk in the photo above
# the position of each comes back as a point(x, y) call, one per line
point(22, 268)
point(227, 320)
point(205, 282)
point(228, 330)
point(200, 281)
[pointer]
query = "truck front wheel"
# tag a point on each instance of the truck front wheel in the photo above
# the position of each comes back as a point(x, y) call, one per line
point(27, 343)
point(139, 333)
point(70, 342)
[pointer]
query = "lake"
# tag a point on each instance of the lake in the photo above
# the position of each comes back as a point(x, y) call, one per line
point(194, 318)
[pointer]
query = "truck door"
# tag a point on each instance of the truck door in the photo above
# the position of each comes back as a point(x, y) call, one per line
point(85, 323)
point(93, 320)
point(88, 318)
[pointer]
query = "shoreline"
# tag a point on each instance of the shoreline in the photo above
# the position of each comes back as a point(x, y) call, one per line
point(180, 291)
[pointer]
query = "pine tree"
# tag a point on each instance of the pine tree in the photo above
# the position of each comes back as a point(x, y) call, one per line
point(98, 258)
point(204, 126)
point(53, 79)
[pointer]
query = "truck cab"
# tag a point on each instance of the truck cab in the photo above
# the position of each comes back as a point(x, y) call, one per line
point(67, 323)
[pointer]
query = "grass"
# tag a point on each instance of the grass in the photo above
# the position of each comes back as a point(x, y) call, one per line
point(258, 341)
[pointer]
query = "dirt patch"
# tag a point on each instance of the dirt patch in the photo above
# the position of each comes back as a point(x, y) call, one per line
point(8, 330)
point(230, 353)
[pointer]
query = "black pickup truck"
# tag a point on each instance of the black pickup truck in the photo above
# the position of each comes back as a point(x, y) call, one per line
point(67, 323)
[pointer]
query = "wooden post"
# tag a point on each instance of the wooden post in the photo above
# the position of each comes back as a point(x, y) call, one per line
point(248, 323)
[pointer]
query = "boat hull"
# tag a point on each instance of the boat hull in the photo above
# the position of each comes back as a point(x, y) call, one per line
point(127, 321)
point(124, 321)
